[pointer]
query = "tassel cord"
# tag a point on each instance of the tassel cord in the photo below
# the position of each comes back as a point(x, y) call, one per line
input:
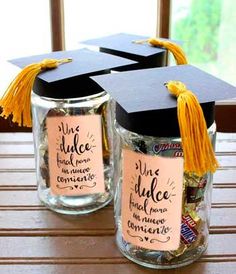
point(175, 49)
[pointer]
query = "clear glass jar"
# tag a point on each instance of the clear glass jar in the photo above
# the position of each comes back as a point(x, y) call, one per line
point(196, 204)
point(66, 172)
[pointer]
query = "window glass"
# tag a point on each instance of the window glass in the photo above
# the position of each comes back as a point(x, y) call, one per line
point(24, 28)
point(86, 19)
point(207, 29)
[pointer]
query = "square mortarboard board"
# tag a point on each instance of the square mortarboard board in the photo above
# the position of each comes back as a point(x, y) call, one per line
point(72, 80)
point(122, 45)
point(145, 106)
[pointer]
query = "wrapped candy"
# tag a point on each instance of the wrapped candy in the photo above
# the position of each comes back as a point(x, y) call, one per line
point(71, 126)
point(164, 160)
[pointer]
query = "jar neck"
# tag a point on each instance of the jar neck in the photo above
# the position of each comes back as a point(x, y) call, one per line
point(123, 131)
point(73, 100)
point(161, 122)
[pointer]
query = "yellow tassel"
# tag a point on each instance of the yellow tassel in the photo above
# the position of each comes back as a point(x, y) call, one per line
point(199, 157)
point(16, 100)
point(175, 49)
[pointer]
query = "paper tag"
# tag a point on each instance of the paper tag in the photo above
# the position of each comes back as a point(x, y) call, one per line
point(151, 200)
point(75, 155)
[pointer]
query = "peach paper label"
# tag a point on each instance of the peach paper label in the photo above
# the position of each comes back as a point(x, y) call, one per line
point(75, 155)
point(151, 200)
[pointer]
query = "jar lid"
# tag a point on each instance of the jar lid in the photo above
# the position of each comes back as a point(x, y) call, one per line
point(159, 123)
point(146, 107)
point(122, 44)
point(71, 80)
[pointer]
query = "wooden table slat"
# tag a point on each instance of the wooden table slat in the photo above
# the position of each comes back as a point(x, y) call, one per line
point(18, 178)
point(36, 240)
point(20, 149)
point(21, 137)
point(118, 268)
point(89, 247)
point(30, 198)
point(41, 222)
point(225, 176)
point(17, 163)
point(29, 162)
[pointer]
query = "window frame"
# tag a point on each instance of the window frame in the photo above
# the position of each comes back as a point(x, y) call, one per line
point(224, 111)
point(57, 25)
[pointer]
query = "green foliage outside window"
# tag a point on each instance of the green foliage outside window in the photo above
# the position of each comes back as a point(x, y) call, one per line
point(200, 30)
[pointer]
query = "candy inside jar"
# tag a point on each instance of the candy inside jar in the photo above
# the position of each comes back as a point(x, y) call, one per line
point(76, 173)
point(71, 119)
point(195, 205)
point(164, 161)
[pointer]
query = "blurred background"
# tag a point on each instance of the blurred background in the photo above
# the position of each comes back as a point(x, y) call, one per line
point(206, 28)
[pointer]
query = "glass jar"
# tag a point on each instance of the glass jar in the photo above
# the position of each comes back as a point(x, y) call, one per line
point(74, 160)
point(144, 223)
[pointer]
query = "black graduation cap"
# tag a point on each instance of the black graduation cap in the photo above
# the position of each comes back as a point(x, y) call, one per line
point(146, 107)
point(122, 45)
point(72, 79)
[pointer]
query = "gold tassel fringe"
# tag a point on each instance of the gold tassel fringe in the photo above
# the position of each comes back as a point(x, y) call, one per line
point(199, 157)
point(16, 100)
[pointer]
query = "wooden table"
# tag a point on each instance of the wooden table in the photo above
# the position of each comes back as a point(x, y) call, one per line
point(35, 240)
